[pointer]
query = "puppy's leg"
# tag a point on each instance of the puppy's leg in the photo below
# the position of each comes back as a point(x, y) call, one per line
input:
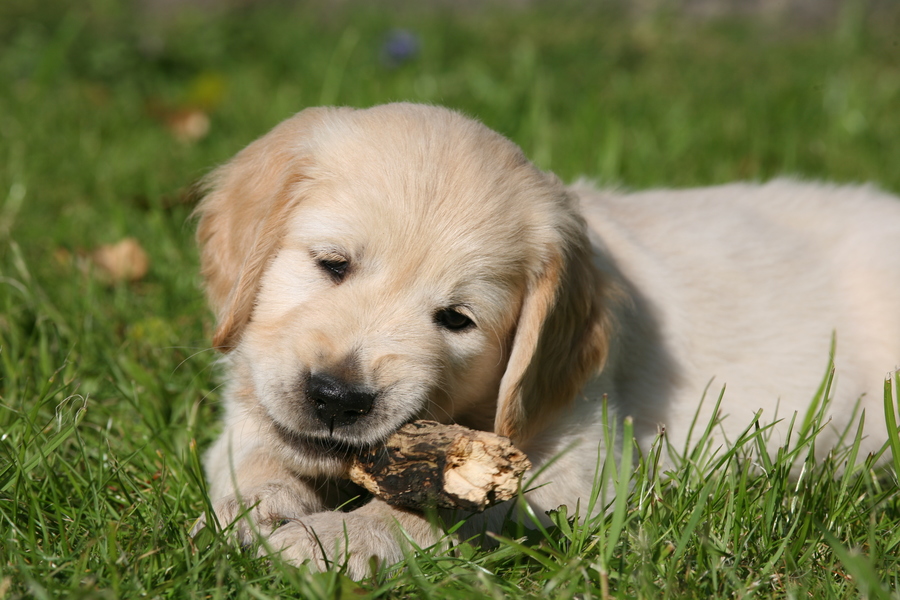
point(250, 484)
point(375, 531)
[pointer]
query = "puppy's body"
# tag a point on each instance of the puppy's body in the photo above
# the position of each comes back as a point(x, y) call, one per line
point(744, 286)
point(372, 267)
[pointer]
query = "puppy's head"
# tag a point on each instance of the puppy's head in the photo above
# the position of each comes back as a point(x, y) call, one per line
point(370, 267)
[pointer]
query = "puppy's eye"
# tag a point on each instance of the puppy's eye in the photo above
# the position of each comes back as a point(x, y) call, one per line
point(452, 319)
point(335, 267)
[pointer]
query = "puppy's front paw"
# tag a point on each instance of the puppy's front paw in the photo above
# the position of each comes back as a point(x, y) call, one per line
point(333, 539)
point(260, 510)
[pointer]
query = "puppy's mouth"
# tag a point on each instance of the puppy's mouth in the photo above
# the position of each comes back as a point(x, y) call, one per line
point(330, 445)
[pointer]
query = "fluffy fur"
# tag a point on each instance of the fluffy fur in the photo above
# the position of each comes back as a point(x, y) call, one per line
point(370, 267)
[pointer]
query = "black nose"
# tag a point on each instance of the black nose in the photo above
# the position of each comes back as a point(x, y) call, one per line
point(338, 403)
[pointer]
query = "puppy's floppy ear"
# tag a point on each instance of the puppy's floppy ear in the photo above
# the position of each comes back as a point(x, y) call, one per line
point(561, 339)
point(245, 207)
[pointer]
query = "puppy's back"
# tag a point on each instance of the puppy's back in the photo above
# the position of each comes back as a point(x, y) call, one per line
point(746, 286)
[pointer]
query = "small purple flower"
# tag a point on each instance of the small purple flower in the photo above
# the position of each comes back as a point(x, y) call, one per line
point(400, 46)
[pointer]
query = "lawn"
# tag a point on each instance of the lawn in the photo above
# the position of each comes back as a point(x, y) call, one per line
point(108, 389)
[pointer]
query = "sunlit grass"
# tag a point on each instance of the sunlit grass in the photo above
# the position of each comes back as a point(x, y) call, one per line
point(108, 391)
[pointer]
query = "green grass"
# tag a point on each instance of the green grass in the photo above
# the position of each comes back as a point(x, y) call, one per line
point(104, 388)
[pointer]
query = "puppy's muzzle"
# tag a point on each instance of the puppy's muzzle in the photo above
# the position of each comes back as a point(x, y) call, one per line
point(338, 403)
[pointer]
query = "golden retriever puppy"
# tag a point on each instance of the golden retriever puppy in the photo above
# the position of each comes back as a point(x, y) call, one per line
point(372, 267)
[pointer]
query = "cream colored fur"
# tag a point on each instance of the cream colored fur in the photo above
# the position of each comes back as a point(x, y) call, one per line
point(573, 294)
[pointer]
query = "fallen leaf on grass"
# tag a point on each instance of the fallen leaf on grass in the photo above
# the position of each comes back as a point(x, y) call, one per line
point(188, 125)
point(187, 118)
point(122, 261)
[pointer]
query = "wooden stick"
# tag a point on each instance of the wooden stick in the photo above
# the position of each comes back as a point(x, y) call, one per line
point(427, 464)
